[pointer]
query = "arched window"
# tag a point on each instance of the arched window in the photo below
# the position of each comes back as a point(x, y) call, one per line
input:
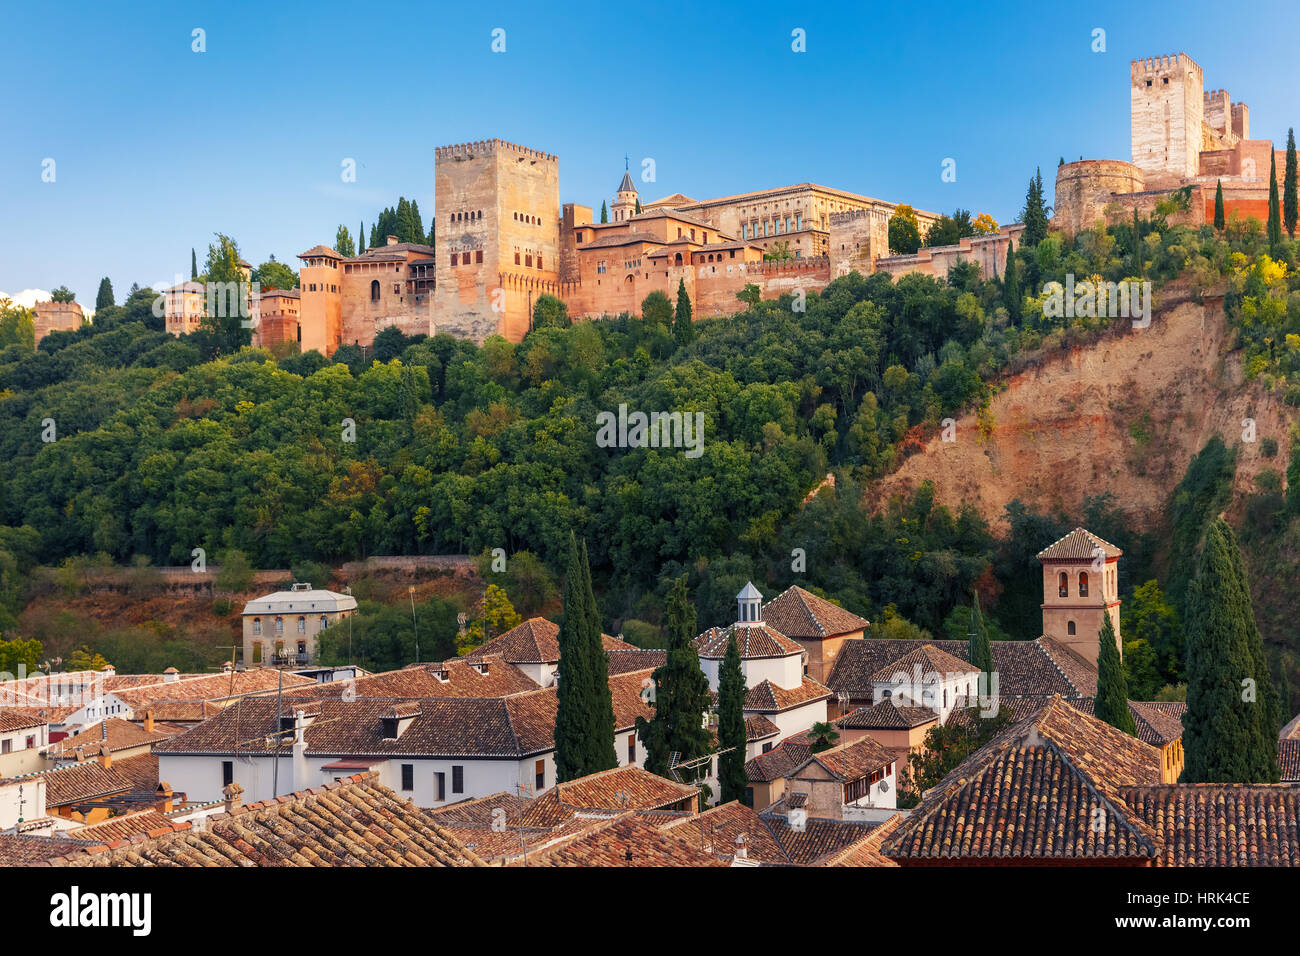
point(257, 625)
point(1083, 584)
point(279, 625)
point(1069, 628)
point(1063, 585)
point(374, 291)
point(324, 622)
point(302, 625)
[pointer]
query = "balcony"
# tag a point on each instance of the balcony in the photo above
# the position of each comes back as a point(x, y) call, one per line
point(290, 660)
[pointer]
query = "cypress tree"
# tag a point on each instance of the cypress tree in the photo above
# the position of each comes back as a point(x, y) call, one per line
point(361, 237)
point(574, 710)
point(602, 755)
point(1289, 198)
point(104, 299)
point(978, 648)
point(1011, 284)
point(1034, 215)
point(682, 330)
point(194, 264)
point(732, 778)
point(638, 206)
point(1230, 727)
point(1111, 703)
point(681, 692)
point(1219, 220)
point(417, 223)
point(1274, 212)
point(604, 212)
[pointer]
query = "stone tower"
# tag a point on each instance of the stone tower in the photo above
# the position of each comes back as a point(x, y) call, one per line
point(1080, 586)
point(498, 238)
point(1167, 103)
point(320, 306)
point(624, 200)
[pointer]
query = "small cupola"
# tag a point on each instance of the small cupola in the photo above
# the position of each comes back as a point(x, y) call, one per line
point(749, 605)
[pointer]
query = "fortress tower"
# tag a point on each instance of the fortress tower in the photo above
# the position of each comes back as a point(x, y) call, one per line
point(498, 237)
point(1167, 109)
point(320, 304)
point(1080, 587)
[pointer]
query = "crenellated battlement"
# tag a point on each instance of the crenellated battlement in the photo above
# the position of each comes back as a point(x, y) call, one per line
point(483, 147)
point(1157, 64)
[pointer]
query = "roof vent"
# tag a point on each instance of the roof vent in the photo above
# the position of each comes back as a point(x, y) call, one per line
point(301, 586)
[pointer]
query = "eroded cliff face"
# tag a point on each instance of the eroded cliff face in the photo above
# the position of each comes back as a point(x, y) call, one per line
point(1123, 416)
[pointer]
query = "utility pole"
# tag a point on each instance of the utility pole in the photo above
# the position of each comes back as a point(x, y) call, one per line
point(350, 660)
point(411, 591)
point(275, 771)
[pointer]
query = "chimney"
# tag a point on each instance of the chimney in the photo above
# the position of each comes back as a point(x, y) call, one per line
point(234, 795)
point(106, 759)
point(171, 675)
point(148, 721)
point(742, 851)
point(165, 795)
point(391, 240)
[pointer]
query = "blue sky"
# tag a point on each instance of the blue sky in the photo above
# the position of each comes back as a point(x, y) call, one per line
point(157, 147)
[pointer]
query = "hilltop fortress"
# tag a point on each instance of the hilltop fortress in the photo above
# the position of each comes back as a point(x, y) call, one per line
point(503, 239)
point(1185, 140)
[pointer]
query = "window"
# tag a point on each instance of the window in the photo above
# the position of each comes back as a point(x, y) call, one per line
point(478, 256)
point(324, 622)
point(457, 779)
point(302, 625)
point(6, 746)
point(516, 258)
point(631, 748)
point(1083, 584)
point(439, 786)
point(1063, 585)
point(279, 625)
point(539, 776)
point(31, 741)
point(227, 772)
point(374, 291)
point(767, 747)
point(257, 625)
point(408, 776)
point(528, 259)
point(453, 258)
point(1069, 628)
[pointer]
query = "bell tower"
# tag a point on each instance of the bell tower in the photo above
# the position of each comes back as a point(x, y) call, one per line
point(625, 199)
point(1080, 588)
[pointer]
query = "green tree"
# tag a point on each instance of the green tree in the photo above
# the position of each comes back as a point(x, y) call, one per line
point(657, 310)
point(979, 650)
point(194, 264)
point(275, 275)
point(1274, 212)
point(1289, 197)
point(16, 325)
point(1034, 213)
point(1233, 711)
point(104, 298)
point(904, 232)
point(584, 717)
point(84, 659)
point(823, 736)
point(234, 572)
point(1147, 617)
point(1111, 703)
point(550, 312)
point(19, 657)
point(681, 692)
point(638, 206)
point(751, 295)
point(1011, 295)
point(1219, 220)
point(361, 237)
point(604, 212)
point(498, 616)
point(732, 779)
point(63, 294)
point(682, 330)
point(343, 244)
point(223, 318)
point(949, 230)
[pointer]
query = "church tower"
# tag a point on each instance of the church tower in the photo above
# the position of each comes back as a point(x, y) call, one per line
point(625, 199)
point(1080, 587)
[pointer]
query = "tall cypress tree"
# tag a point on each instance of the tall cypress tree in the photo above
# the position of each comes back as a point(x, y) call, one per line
point(977, 640)
point(1230, 727)
point(1111, 703)
point(604, 212)
point(1011, 284)
point(1034, 215)
point(638, 206)
point(732, 778)
point(194, 264)
point(574, 708)
point(1274, 212)
point(361, 236)
point(682, 330)
point(681, 692)
point(104, 298)
point(1289, 198)
point(602, 755)
point(1219, 220)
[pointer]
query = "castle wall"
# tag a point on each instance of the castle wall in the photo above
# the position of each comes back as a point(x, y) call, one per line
point(1084, 189)
point(987, 252)
point(50, 317)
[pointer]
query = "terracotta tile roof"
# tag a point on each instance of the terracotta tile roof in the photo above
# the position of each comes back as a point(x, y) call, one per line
point(15, 720)
point(80, 782)
point(1221, 824)
point(820, 840)
point(1035, 792)
point(318, 251)
point(141, 770)
point(1024, 668)
point(886, 716)
point(621, 662)
point(536, 641)
point(866, 852)
point(397, 250)
point(1291, 731)
point(354, 822)
point(29, 850)
point(752, 640)
point(758, 727)
point(121, 828)
point(458, 677)
point(623, 788)
point(625, 840)
point(800, 614)
point(479, 812)
point(716, 830)
point(621, 239)
point(1077, 545)
point(1288, 760)
point(43, 713)
point(778, 762)
point(849, 762)
point(771, 698)
point(122, 735)
point(209, 687)
point(926, 659)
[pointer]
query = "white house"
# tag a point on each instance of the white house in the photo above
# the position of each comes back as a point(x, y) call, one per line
point(21, 739)
point(284, 628)
point(927, 677)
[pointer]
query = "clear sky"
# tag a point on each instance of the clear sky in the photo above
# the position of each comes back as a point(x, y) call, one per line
point(157, 147)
